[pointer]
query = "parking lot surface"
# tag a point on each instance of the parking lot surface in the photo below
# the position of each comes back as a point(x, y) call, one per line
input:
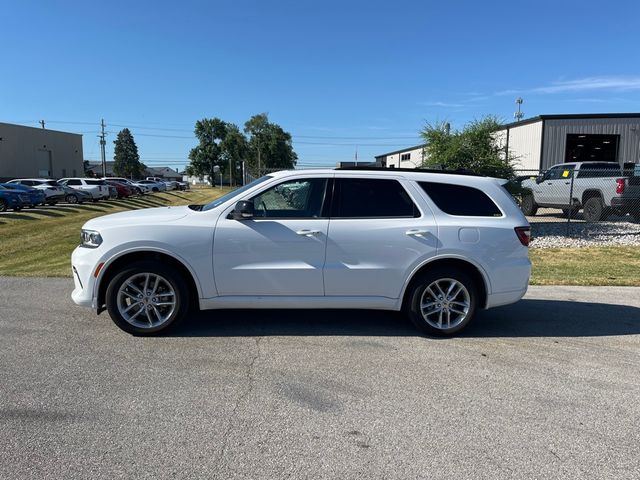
point(546, 388)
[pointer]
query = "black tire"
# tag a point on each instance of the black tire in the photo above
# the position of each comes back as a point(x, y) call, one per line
point(636, 215)
point(51, 204)
point(3, 205)
point(528, 205)
point(17, 209)
point(94, 200)
point(593, 210)
point(171, 276)
point(417, 293)
point(570, 212)
point(72, 198)
point(155, 189)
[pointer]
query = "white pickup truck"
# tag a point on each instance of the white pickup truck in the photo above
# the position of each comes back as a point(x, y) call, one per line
point(598, 188)
point(96, 187)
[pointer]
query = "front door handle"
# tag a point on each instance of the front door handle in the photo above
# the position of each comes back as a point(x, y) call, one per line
point(308, 233)
point(417, 232)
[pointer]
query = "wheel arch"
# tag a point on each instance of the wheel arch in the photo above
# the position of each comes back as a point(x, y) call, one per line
point(113, 266)
point(471, 268)
point(591, 193)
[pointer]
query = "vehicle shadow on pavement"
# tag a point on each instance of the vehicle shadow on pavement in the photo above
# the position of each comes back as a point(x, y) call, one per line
point(527, 318)
point(249, 323)
point(555, 318)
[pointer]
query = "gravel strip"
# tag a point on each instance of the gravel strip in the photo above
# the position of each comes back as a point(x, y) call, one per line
point(578, 235)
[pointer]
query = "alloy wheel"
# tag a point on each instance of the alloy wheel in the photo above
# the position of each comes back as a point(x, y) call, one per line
point(146, 300)
point(445, 303)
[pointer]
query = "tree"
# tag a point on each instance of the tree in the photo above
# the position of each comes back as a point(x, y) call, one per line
point(125, 155)
point(207, 155)
point(269, 145)
point(472, 148)
point(234, 148)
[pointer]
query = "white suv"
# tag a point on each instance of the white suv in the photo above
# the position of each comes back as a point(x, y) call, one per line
point(437, 245)
point(96, 187)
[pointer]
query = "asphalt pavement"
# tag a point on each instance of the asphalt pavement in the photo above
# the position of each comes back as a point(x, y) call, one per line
point(547, 388)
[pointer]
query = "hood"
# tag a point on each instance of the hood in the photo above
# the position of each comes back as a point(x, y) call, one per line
point(145, 216)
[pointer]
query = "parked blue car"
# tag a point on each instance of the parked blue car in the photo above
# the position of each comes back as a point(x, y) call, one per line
point(12, 199)
point(36, 197)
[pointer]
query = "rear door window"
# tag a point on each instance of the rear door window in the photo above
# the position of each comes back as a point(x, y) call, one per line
point(371, 198)
point(461, 200)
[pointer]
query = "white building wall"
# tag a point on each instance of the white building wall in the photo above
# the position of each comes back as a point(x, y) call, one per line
point(525, 143)
point(415, 159)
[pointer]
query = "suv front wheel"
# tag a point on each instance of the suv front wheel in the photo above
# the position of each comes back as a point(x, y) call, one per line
point(442, 302)
point(147, 298)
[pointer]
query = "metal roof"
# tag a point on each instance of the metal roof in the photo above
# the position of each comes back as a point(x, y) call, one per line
point(569, 116)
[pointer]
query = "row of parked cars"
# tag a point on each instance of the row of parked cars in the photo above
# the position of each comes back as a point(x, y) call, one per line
point(31, 192)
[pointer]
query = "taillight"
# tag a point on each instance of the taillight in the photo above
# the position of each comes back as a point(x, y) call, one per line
point(619, 185)
point(524, 235)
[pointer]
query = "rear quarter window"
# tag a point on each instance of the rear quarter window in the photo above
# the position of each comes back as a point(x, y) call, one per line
point(460, 200)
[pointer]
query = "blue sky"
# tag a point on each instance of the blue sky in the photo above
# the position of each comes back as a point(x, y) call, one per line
point(335, 74)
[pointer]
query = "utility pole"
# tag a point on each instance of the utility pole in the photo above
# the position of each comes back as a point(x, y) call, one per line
point(41, 122)
point(230, 174)
point(102, 146)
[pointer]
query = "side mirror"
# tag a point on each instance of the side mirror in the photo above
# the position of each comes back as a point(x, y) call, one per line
point(540, 179)
point(243, 210)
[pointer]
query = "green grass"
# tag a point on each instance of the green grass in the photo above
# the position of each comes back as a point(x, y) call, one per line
point(39, 242)
point(586, 266)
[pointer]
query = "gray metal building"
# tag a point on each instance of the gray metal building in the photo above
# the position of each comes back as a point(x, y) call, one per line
point(37, 152)
point(538, 143)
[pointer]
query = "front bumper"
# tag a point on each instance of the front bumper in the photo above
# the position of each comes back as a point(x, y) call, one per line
point(84, 262)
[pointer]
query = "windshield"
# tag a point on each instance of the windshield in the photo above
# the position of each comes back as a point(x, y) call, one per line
point(230, 195)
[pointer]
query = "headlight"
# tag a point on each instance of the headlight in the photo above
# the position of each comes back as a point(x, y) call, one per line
point(90, 238)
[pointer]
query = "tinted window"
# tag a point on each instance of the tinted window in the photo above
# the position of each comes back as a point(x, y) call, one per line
point(368, 197)
point(461, 200)
point(300, 198)
point(599, 170)
point(95, 182)
point(73, 181)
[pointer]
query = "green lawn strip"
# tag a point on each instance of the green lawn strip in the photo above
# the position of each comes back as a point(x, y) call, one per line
point(586, 266)
point(39, 242)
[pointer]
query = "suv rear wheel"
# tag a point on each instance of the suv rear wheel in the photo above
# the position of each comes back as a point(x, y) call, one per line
point(442, 302)
point(147, 298)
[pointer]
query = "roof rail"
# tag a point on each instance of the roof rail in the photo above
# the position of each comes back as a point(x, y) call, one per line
point(458, 171)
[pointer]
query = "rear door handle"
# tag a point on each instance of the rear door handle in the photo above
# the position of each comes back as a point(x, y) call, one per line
point(417, 232)
point(308, 233)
